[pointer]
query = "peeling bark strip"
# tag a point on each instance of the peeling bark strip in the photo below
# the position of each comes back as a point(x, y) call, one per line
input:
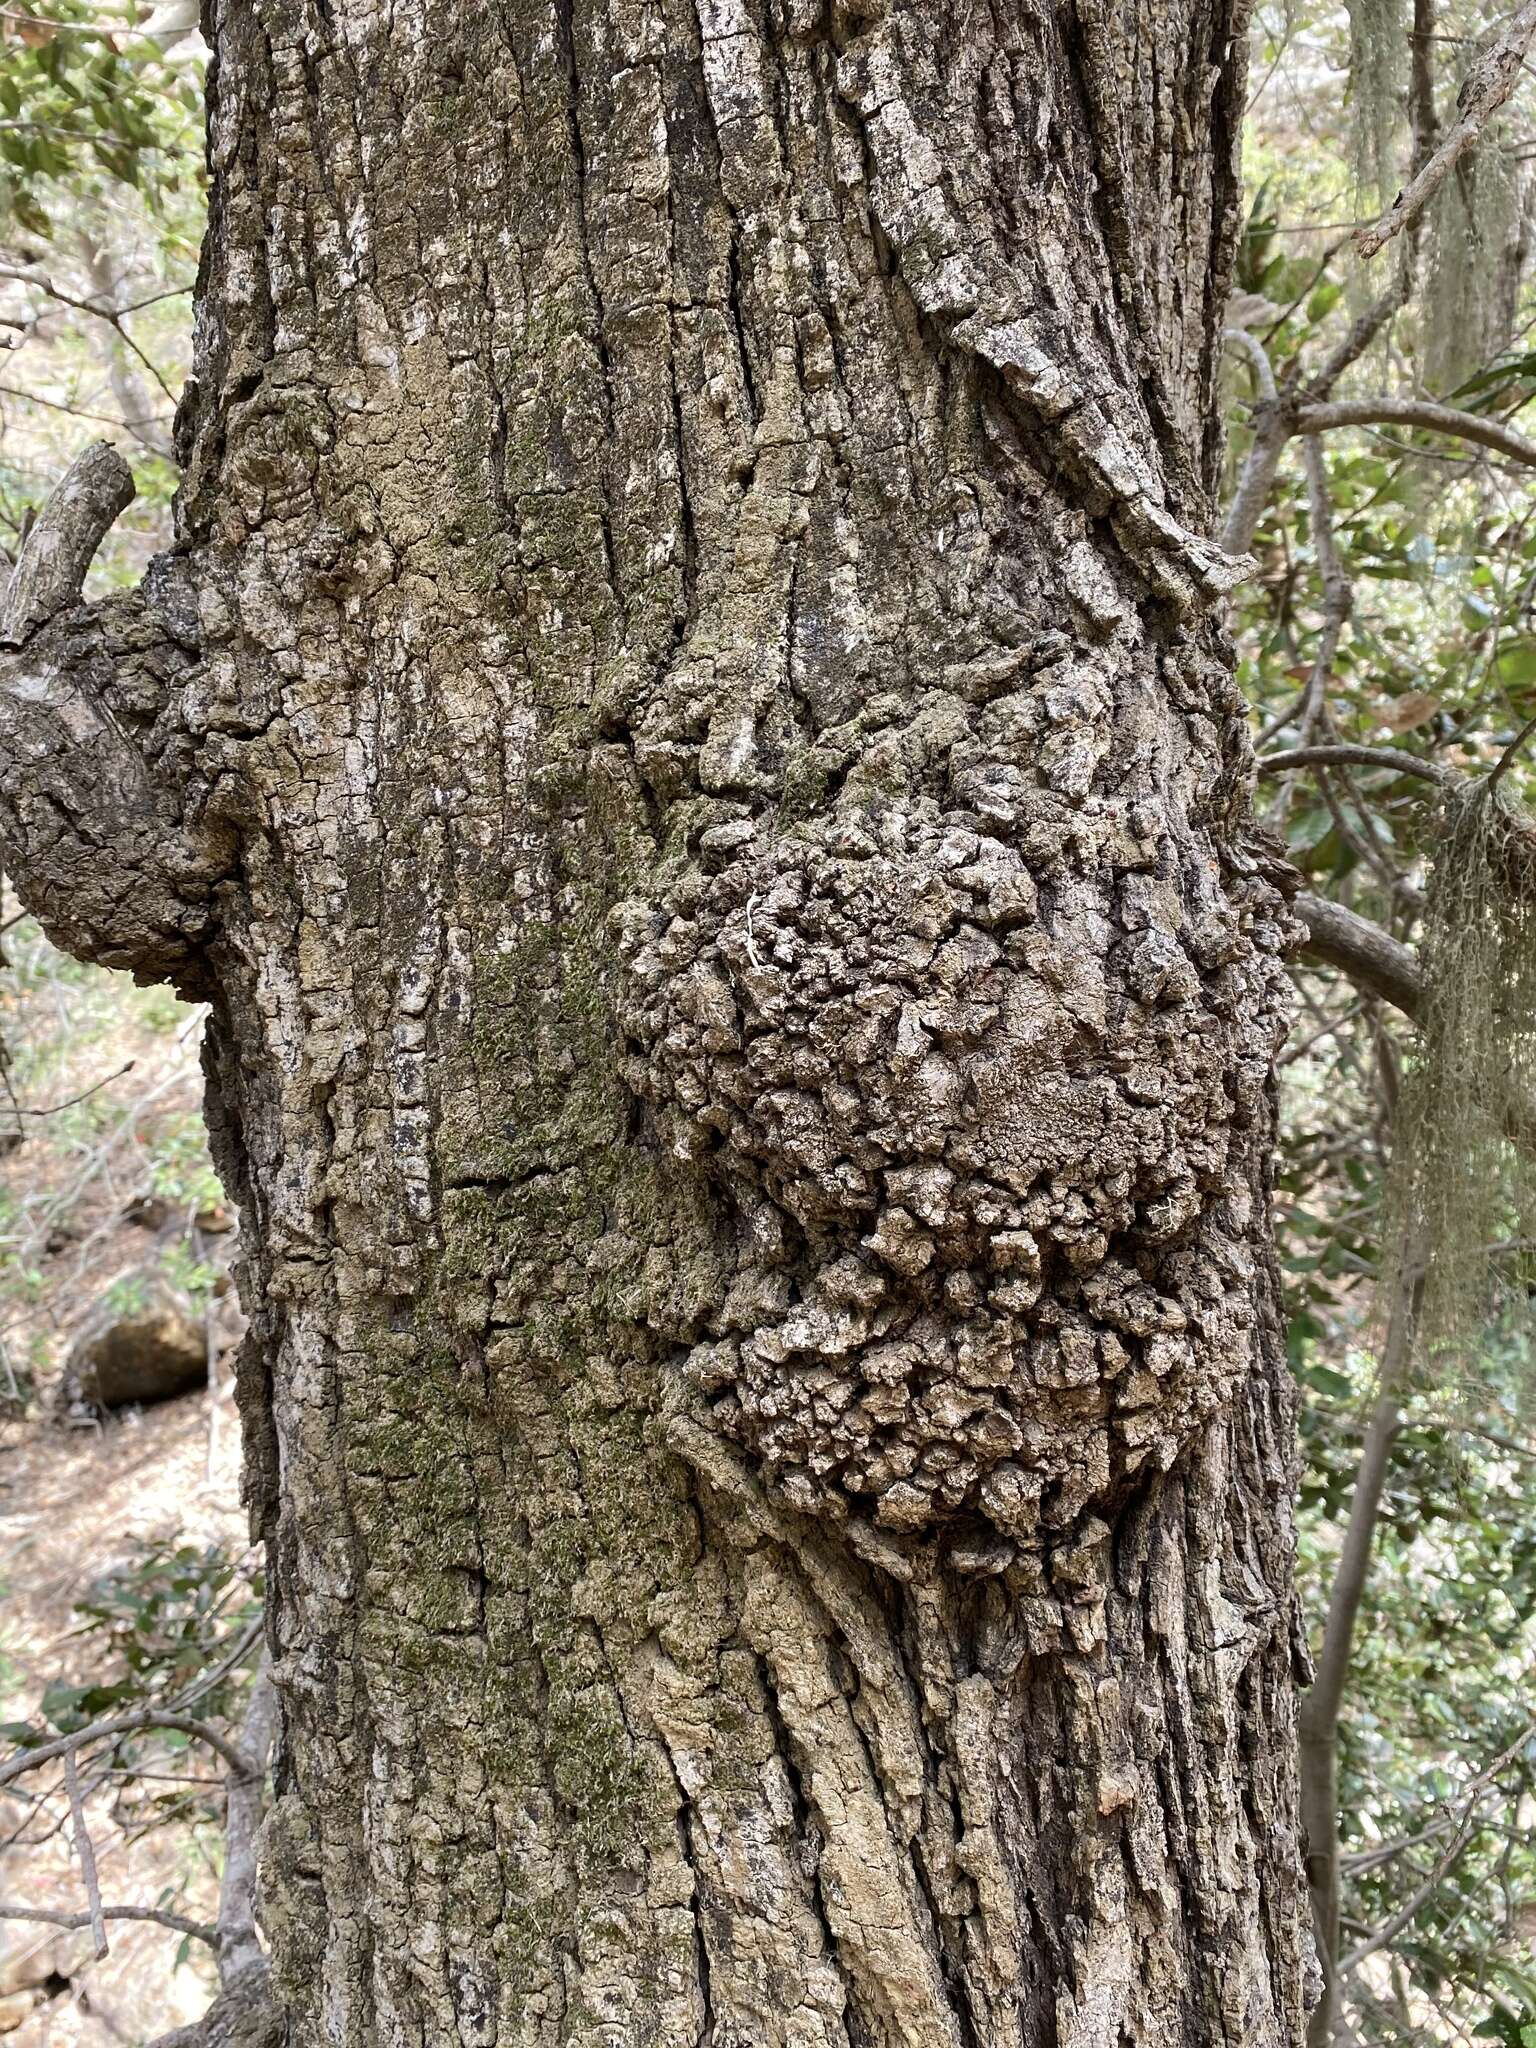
point(686, 737)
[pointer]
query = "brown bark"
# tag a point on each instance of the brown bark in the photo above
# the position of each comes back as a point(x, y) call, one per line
point(744, 1012)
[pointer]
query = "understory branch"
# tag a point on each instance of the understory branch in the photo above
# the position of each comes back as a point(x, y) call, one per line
point(1488, 84)
point(199, 1930)
point(1420, 413)
point(1363, 953)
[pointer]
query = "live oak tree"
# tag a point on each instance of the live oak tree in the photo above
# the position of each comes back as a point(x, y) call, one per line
point(686, 738)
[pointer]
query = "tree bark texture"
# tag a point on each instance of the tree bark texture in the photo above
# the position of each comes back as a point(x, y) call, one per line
point(687, 738)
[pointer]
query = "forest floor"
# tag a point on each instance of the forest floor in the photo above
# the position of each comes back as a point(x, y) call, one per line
point(123, 1549)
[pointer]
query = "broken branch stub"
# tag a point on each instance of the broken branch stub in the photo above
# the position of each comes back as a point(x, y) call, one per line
point(50, 570)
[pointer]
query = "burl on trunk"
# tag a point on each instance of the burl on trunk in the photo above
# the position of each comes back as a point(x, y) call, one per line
point(687, 739)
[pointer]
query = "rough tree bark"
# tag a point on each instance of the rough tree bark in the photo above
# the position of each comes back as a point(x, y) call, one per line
point(687, 740)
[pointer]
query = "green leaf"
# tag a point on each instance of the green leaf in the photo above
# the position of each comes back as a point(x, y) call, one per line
point(1324, 1380)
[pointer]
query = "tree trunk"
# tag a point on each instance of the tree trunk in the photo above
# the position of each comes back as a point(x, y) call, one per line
point(687, 738)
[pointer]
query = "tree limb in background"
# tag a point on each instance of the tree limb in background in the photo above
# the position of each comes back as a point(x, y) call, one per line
point(87, 1855)
point(122, 1724)
point(1345, 755)
point(1362, 952)
point(1318, 1719)
point(178, 1923)
point(1419, 413)
point(1338, 592)
point(1274, 422)
point(1487, 86)
point(150, 429)
point(39, 280)
point(237, 1943)
point(1278, 422)
point(1368, 325)
point(1476, 1792)
point(1272, 429)
point(242, 2016)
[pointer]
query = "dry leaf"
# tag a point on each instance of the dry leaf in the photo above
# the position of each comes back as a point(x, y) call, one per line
point(1414, 707)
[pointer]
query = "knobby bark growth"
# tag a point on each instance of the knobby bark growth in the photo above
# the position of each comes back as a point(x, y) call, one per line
point(686, 739)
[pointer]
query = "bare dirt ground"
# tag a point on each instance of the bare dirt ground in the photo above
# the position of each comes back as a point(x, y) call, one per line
point(72, 1503)
point(102, 1166)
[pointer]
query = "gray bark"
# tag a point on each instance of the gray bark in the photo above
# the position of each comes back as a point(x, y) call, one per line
point(712, 810)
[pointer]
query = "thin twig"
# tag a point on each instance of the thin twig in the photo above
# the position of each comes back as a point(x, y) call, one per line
point(1325, 1029)
point(76, 412)
point(1389, 1931)
point(1366, 328)
point(175, 291)
point(1488, 84)
point(60, 1204)
point(121, 1724)
point(1341, 755)
point(87, 1855)
point(1510, 752)
point(84, 1095)
point(114, 319)
point(198, 1929)
point(236, 1656)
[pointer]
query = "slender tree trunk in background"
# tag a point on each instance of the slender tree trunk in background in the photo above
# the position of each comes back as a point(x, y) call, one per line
point(686, 738)
point(1318, 1719)
point(1320, 1709)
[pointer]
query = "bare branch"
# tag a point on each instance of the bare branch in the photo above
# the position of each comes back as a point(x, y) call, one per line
point(1479, 1787)
point(199, 1930)
point(1317, 1721)
point(77, 412)
point(1487, 86)
point(1272, 429)
point(1275, 421)
point(236, 1655)
point(41, 282)
point(238, 1944)
point(128, 389)
point(84, 1095)
point(1345, 756)
point(243, 2015)
point(1420, 413)
point(1501, 766)
point(1338, 591)
point(87, 1855)
point(26, 1760)
point(1258, 355)
point(1363, 953)
point(1368, 325)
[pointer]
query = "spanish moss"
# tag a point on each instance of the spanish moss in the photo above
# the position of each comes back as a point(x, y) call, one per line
point(1464, 1166)
point(1475, 263)
point(1378, 62)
